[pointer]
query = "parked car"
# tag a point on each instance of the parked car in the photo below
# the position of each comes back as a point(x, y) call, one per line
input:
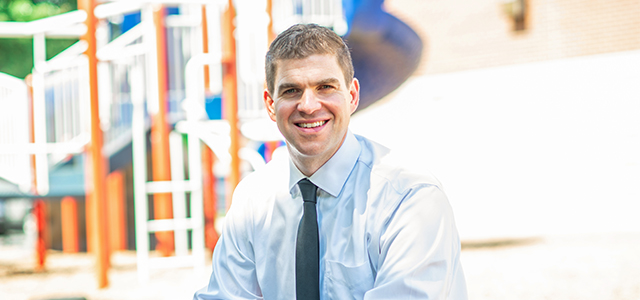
point(14, 207)
point(13, 212)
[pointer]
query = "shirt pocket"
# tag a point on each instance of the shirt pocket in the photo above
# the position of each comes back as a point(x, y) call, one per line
point(345, 282)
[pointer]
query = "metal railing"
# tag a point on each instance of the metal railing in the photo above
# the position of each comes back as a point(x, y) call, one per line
point(65, 80)
point(14, 129)
point(252, 42)
point(58, 110)
point(117, 59)
point(184, 40)
point(328, 13)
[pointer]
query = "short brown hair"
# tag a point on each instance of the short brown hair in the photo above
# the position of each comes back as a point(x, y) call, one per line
point(304, 40)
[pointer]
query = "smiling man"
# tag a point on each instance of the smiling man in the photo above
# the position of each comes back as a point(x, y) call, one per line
point(336, 220)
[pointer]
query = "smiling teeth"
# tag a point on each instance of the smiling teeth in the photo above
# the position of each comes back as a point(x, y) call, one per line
point(311, 125)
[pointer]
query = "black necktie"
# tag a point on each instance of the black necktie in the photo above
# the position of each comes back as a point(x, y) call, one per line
point(307, 250)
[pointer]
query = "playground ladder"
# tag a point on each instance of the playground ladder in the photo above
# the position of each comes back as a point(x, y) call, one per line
point(178, 186)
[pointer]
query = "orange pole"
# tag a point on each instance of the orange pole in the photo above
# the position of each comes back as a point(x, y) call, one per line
point(205, 46)
point(28, 81)
point(69, 218)
point(209, 180)
point(209, 199)
point(38, 205)
point(116, 211)
point(271, 34)
point(39, 212)
point(161, 166)
point(230, 95)
point(98, 164)
point(88, 210)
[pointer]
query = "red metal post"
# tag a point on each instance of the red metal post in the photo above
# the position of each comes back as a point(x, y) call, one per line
point(69, 218)
point(38, 205)
point(98, 164)
point(230, 95)
point(39, 213)
point(116, 211)
point(161, 165)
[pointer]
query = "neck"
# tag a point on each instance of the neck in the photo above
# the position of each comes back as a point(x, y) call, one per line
point(308, 165)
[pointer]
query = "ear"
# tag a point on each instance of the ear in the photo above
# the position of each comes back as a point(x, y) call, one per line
point(270, 104)
point(354, 91)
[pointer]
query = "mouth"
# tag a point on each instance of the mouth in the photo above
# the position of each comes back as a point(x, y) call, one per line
point(312, 124)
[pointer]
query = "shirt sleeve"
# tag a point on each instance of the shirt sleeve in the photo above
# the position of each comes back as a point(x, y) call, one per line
point(419, 250)
point(233, 274)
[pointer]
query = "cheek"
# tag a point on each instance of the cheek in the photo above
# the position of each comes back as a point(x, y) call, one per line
point(282, 112)
point(341, 109)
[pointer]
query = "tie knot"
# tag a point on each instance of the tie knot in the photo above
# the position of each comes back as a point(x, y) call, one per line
point(308, 190)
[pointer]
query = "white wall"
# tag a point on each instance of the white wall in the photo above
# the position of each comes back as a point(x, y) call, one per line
point(524, 150)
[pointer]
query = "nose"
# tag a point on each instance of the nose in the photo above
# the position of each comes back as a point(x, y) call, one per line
point(308, 103)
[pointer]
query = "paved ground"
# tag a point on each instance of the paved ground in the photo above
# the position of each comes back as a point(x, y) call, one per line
point(595, 266)
point(585, 267)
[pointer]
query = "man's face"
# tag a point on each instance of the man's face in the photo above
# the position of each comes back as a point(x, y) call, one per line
point(312, 105)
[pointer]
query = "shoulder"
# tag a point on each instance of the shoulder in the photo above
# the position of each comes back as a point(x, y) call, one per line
point(389, 169)
point(396, 189)
point(267, 180)
point(405, 205)
point(257, 191)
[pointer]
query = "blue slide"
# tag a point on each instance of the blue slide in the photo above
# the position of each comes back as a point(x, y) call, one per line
point(385, 50)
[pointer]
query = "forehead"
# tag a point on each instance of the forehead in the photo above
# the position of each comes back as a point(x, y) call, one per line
point(314, 67)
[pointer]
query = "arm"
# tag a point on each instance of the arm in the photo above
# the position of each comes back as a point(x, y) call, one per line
point(419, 250)
point(233, 273)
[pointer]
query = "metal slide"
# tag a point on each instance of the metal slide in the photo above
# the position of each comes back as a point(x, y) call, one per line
point(385, 50)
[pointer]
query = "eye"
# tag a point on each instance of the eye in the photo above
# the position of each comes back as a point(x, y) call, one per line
point(289, 91)
point(326, 86)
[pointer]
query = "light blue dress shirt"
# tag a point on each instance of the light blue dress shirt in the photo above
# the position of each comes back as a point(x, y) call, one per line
point(385, 233)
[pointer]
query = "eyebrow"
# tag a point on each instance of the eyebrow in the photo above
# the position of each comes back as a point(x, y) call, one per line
point(331, 80)
point(288, 85)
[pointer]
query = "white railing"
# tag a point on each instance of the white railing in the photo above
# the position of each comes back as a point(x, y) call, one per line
point(66, 93)
point(117, 59)
point(14, 129)
point(58, 100)
point(136, 48)
point(326, 13)
point(184, 40)
point(252, 42)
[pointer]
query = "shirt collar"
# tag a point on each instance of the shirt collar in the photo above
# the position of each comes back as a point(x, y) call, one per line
point(332, 176)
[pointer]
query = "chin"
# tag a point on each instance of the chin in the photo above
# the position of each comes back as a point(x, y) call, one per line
point(315, 150)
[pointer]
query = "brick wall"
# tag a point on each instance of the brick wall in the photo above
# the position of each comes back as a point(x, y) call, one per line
point(469, 34)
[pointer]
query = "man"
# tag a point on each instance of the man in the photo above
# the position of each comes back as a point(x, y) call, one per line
point(335, 220)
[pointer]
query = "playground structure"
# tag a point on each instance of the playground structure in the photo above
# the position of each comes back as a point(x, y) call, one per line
point(164, 88)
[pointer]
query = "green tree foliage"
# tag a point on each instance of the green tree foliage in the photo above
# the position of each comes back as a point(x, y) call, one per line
point(16, 54)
